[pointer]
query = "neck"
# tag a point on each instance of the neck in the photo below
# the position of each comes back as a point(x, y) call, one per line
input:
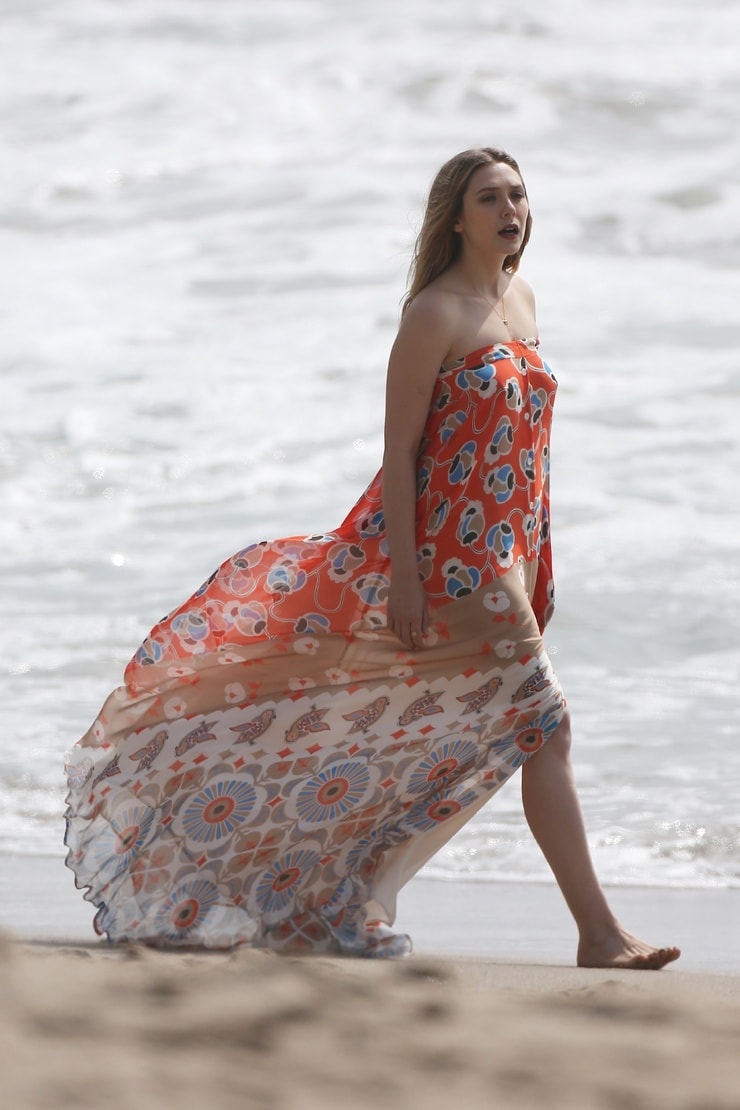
point(484, 278)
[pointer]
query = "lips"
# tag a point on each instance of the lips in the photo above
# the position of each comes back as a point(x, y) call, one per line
point(511, 231)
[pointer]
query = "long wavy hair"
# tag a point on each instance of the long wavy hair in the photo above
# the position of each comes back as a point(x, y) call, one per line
point(438, 244)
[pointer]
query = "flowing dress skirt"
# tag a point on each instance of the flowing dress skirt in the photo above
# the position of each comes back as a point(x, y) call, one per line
point(276, 764)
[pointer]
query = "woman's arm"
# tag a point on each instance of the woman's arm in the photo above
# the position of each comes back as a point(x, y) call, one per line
point(420, 348)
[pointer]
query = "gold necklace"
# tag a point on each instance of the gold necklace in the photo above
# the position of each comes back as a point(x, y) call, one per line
point(500, 301)
point(503, 319)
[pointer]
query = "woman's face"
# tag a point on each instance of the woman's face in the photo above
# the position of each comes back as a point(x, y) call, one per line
point(494, 210)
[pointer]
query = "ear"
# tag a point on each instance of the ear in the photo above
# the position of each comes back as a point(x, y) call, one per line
point(457, 226)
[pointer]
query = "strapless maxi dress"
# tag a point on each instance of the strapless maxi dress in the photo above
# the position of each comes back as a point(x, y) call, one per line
point(277, 764)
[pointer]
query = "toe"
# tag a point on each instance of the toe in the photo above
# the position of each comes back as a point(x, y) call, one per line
point(655, 960)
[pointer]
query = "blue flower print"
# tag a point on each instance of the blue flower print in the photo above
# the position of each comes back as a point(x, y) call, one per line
point(191, 627)
point(459, 579)
point(372, 588)
point(516, 748)
point(123, 837)
point(444, 763)
point(372, 525)
point(286, 578)
point(183, 911)
point(537, 402)
point(312, 623)
point(425, 560)
point(344, 559)
point(276, 889)
point(241, 569)
point(150, 652)
point(218, 811)
point(501, 482)
point(427, 815)
point(462, 465)
point(472, 523)
point(514, 399)
point(451, 424)
point(500, 540)
point(480, 378)
point(502, 440)
point(438, 516)
point(250, 619)
point(250, 555)
point(526, 463)
point(332, 793)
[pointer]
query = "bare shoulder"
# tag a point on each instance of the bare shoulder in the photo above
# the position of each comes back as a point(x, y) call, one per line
point(427, 328)
point(523, 290)
point(420, 349)
point(435, 307)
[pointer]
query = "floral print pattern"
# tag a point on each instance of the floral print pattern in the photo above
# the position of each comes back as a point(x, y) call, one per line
point(276, 758)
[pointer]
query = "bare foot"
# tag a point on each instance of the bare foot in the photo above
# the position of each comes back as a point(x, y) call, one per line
point(618, 948)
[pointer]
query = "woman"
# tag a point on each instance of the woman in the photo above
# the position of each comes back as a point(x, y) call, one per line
point(298, 738)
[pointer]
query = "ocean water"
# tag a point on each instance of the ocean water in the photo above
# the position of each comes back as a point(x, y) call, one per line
point(206, 217)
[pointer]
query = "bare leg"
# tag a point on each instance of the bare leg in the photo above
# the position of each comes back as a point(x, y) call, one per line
point(553, 813)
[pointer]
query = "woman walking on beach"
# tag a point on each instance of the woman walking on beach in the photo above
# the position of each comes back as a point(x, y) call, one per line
point(294, 742)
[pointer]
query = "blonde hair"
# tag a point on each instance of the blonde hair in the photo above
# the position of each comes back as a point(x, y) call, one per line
point(438, 244)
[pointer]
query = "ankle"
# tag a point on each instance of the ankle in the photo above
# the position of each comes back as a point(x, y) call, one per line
point(597, 930)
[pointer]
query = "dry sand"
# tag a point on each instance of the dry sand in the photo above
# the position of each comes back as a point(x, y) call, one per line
point(96, 1027)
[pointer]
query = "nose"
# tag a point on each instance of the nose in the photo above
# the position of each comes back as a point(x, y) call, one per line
point(508, 207)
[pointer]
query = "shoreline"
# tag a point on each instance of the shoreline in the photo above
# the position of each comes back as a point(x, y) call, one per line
point(497, 922)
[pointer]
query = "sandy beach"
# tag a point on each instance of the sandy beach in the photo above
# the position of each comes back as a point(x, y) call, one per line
point(123, 1029)
point(490, 1010)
